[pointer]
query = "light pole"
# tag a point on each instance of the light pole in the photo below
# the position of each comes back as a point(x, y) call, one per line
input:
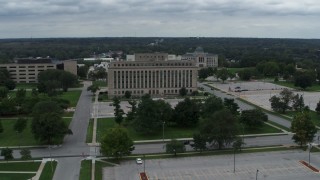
point(163, 131)
point(234, 160)
point(144, 163)
point(310, 146)
point(257, 174)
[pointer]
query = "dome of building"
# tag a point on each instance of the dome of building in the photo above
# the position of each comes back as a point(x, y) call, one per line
point(199, 50)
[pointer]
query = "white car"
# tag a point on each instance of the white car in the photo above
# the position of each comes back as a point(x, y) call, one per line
point(139, 161)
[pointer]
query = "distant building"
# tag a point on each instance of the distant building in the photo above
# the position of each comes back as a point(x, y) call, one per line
point(26, 70)
point(151, 73)
point(152, 57)
point(201, 58)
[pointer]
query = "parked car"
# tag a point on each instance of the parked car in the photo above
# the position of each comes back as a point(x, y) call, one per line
point(139, 161)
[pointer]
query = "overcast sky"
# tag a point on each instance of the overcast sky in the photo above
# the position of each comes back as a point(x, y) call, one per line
point(165, 18)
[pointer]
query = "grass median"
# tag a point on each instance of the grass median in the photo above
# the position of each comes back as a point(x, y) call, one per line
point(169, 132)
point(48, 170)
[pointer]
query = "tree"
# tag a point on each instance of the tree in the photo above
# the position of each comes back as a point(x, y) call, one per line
point(200, 142)
point(203, 73)
point(151, 115)
point(3, 92)
point(253, 118)
point(116, 143)
point(118, 112)
point(211, 105)
point(127, 94)
point(219, 128)
point(1, 127)
point(186, 113)
point(231, 105)
point(245, 74)
point(20, 125)
point(318, 108)
point(10, 84)
point(132, 113)
point(303, 128)
point(34, 92)
point(47, 123)
point(183, 91)
point(281, 103)
point(20, 96)
point(8, 107)
point(7, 154)
point(174, 147)
point(54, 79)
point(304, 79)
point(83, 71)
point(297, 102)
point(25, 154)
point(93, 88)
point(223, 74)
point(238, 143)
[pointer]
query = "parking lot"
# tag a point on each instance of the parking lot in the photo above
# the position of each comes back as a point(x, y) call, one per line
point(281, 165)
point(259, 93)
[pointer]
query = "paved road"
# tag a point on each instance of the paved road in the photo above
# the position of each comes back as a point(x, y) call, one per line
point(74, 144)
point(250, 142)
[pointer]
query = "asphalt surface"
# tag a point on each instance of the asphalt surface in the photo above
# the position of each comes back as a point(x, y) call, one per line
point(282, 165)
point(245, 106)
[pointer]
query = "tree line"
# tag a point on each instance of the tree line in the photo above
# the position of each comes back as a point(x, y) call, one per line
point(219, 122)
point(246, 52)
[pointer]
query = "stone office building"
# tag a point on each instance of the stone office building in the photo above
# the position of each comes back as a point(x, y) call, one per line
point(156, 76)
point(201, 58)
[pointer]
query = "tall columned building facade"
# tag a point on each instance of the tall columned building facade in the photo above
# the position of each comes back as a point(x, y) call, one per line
point(156, 77)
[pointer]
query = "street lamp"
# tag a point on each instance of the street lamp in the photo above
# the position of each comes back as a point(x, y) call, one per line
point(144, 163)
point(163, 131)
point(257, 174)
point(234, 160)
point(310, 146)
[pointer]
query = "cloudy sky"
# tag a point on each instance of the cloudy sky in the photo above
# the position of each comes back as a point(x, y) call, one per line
point(165, 18)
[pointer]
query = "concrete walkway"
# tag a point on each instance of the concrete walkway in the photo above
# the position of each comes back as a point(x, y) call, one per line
point(41, 167)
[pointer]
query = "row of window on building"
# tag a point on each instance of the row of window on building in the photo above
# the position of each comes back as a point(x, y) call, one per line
point(152, 79)
point(151, 64)
point(153, 91)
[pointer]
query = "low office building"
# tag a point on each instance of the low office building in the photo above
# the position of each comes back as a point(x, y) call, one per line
point(26, 70)
point(151, 74)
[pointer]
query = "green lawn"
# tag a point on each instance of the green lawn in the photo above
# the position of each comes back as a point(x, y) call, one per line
point(315, 87)
point(264, 129)
point(12, 176)
point(315, 118)
point(85, 171)
point(235, 70)
point(10, 138)
point(98, 169)
point(68, 114)
point(48, 170)
point(169, 132)
point(20, 166)
point(26, 85)
point(89, 131)
point(100, 83)
point(72, 96)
